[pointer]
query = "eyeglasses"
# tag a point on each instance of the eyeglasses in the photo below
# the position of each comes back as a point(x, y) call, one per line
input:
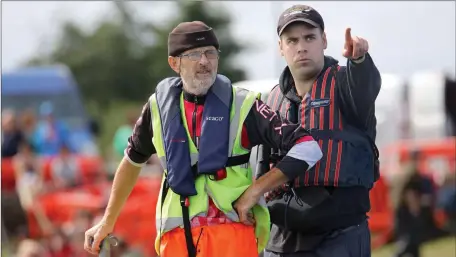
point(196, 56)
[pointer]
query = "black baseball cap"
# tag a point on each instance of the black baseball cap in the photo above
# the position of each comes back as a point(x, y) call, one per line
point(302, 13)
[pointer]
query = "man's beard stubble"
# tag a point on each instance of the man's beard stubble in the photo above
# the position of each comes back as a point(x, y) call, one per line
point(305, 75)
point(198, 86)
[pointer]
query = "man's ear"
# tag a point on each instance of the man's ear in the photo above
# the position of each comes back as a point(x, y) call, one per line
point(280, 47)
point(325, 41)
point(174, 63)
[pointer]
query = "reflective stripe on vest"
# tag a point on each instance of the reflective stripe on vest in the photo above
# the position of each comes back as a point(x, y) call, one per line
point(223, 193)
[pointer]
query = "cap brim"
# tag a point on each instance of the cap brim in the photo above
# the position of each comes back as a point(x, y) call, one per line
point(298, 19)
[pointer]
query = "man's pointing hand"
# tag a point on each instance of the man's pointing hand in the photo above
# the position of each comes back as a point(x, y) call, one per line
point(355, 47)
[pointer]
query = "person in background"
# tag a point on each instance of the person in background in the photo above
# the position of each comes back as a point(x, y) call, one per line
point(409, 220)
point(50, 134)
point(27, 168)
point(120, 143)
point(120, 140)
point(65, 169)
point(11, 134)
point(428, 195)
point(27, 121)
point(30, 184)
point(414, 214)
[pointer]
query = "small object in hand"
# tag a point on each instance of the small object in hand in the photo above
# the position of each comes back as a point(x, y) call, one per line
point(105, 246)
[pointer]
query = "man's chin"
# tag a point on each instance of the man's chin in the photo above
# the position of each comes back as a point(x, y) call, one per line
point(305, 70)
point(202, 89)
point(205, 83)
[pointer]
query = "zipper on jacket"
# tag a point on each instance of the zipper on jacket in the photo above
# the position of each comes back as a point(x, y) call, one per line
point(194, 121)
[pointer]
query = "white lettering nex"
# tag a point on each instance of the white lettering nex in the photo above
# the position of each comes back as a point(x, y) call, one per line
point(265, 111)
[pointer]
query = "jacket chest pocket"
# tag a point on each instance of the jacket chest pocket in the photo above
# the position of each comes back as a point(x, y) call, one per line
point(318, 113)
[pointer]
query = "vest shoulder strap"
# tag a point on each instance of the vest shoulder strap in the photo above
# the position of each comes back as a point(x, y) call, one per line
point(275, 98)
point(167, 96)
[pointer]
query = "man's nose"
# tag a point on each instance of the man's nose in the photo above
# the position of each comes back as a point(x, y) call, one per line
point(203, 59)
point(302, 47)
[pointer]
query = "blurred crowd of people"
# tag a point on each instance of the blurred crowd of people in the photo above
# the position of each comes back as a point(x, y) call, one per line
point(26, 139)
point(29, 139)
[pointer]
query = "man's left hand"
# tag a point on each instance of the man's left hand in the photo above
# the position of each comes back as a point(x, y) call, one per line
point(355, 47)
point(244, 204)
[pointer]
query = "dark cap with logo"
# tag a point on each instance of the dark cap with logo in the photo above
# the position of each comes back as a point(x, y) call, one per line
point(301, 13)
point(189, 35)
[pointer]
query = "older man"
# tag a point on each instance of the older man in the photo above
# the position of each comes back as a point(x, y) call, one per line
point(208, 202)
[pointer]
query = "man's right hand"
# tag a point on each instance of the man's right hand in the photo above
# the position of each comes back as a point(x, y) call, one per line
point(124, 181)
point(95, 235)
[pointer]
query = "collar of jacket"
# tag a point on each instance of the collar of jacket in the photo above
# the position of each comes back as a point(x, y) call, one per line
point(198, 99)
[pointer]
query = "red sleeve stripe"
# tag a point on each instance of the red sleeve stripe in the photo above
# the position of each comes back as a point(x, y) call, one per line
point(304, 139)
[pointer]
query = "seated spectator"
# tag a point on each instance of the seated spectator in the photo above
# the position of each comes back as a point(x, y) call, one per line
point(65, 169)
point(11, 134)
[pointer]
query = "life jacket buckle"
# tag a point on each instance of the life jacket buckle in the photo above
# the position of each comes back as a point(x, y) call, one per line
point(220, 174)
point(185, 201)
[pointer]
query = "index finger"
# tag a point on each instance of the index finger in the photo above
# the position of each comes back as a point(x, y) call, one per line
point(88, 245)
point(88, 242)
point(348, 36)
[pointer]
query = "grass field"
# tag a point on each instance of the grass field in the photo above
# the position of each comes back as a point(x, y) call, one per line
point(445, 247)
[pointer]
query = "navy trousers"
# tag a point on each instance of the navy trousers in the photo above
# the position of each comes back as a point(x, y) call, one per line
point(353, 241)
